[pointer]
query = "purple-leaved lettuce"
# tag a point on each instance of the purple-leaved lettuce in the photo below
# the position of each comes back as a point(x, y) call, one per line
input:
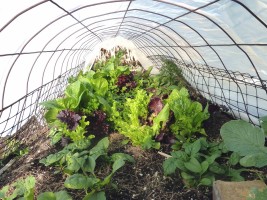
point(70, 118)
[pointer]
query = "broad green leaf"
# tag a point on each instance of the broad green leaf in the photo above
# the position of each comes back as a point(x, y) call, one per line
point(186, 176)
point(122, 156)
point(242, 137)
point(100, 86)
point(100, 148)
point(204, 166)
point(51, 115)
point(95, 196)
point(235, 174)
point(62, 195)
point(193, 148)
point(117, 165)
point(169, 166)
point(89, 164)
point(206, 182)
point(29, 185)
point(79, 181)
point(213, 157)
point(56, 138)
point(90, 74)
point(181, 155)
point(124, 142)
point(28, 182)
point(216, 168)
point(193, 165)
point(81, 144)
point(52, 158)
point(75, 163)
point(161, 118)
point(234, 158)
point(46, 196)
point(256, 194)
point(254, 160)
point(106, 180)
point(75, 92)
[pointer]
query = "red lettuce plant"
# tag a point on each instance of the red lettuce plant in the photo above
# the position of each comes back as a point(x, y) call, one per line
point(70, 118)
point(98, 123)
point(155, 105)
point(127, 81)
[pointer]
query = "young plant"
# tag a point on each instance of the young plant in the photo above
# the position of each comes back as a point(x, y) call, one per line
point(197, 163)
point(79, 162)
point(23, 189)
point(188, 115)
point(129, 121)
point(61, 195)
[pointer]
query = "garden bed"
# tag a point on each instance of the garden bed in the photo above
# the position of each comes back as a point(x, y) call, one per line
point(151, 175)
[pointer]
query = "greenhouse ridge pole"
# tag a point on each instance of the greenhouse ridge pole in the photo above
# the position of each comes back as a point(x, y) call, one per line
point(123, 18)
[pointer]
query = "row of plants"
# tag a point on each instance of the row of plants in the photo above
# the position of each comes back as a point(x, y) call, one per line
point(149, 110)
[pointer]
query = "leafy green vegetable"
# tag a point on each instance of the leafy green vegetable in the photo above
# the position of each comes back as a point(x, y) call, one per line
point(256, 194)
point(188, 115)
point(129, 124)
point(79, 181)
point(197, 163)
point(61, 195)
point(80, 164)
point(23, 189)
point(247, 141)
point(95, 196)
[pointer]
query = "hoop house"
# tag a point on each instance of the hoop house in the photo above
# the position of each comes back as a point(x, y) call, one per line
point(220, 46)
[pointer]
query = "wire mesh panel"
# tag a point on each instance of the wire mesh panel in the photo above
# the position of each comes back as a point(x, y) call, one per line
point(220, 46)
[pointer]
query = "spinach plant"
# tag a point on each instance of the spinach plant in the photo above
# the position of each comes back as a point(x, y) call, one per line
point(79, 162)
point(61, 195)
point(197, 163)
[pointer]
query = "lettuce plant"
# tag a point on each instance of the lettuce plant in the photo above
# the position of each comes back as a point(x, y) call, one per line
point(98, 124)
point(70, 118)
point(129, 121)
point(155, 105)
point(188, 115)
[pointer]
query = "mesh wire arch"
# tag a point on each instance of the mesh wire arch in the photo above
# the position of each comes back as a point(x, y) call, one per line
point(44, 43)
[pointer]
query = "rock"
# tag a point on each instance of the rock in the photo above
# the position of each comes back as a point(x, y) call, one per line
point(223, 190)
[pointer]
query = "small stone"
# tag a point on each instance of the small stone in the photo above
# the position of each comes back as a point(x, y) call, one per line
point(223, 190)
